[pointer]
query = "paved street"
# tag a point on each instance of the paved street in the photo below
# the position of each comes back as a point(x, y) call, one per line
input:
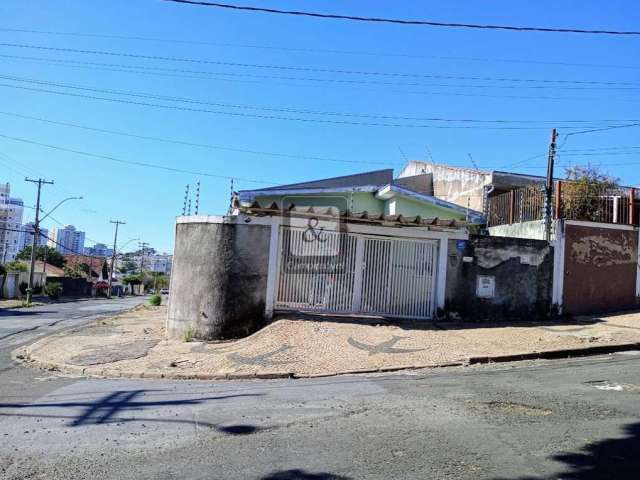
point(574, 419)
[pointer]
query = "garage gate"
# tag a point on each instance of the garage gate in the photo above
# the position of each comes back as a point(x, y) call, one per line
point(339, 272)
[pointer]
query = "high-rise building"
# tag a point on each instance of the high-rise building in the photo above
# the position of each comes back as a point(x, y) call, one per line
point(67, 240)
point(26, 236)
point(11, 210)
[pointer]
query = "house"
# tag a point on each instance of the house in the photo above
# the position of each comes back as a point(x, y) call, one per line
point(97, 265)
point(466, 186)
point(375, 192)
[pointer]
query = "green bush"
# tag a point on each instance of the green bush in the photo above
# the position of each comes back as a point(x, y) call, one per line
point(53, 290)
point(23, 288)
point(37, 290)
point(155, 300)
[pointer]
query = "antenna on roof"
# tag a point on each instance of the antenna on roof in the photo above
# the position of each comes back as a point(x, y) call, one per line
point(429, 153)
point(473, 162)
point(403, 155)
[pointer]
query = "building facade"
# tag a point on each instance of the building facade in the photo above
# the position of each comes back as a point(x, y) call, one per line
point(99, 250)
point(26, 236)
point(67, 240)
point(11, 211)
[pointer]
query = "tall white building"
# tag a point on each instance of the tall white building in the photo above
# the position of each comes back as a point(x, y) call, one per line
point(11, 210)
point(26, 237)
point(67, 240)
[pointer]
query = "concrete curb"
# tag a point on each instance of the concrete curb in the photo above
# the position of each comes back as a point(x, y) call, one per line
point(555, 354)
point(23, 355)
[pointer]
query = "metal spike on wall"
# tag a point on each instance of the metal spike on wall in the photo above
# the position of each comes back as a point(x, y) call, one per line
point(186, 196)
point(197, 197)
point(189, 207)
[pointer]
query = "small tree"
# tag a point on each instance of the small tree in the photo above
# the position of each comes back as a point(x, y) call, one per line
point(128, 266)
point(13, 267)
point(52, 256)
point(132, 280)
point(585, 195)
point(53, 290)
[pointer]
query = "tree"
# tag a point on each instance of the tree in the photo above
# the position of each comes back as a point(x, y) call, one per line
point(52, 256)
point(15, 267)
point(127, 266)
point(132, 280)
point(585, 196)
point(77, 271)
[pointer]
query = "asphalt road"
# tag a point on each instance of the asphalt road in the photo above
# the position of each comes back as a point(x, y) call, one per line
point(574, 419)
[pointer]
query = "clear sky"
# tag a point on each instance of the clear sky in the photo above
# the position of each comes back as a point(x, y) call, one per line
point(149, 199)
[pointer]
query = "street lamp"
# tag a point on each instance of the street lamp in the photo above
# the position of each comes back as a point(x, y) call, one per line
point(36, 235)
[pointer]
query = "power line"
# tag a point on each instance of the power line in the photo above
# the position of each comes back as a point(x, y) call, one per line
point(291, 68)
point(273, 117)
point(404, 22)
point(296, 110)
point(376, 54)
point(314, 83)
point(131, 162)
point(192, 144)
point(349, 81)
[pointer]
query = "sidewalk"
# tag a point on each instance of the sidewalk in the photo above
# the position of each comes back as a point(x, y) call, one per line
point(133, 345)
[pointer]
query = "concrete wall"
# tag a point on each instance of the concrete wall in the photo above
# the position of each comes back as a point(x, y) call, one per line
point(219, 279)
point(533, 230)
point(462, 186)
point(13, 280)
point(522, 275)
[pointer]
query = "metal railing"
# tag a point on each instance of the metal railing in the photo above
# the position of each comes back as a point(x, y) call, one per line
point(527, 204)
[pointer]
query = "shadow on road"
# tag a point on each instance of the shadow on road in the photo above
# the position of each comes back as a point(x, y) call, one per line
point(302, 475)
point(614, 458)
point(109, 409)
point(24, 313)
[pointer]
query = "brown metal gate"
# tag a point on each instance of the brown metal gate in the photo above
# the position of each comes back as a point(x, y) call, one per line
point(600, 266)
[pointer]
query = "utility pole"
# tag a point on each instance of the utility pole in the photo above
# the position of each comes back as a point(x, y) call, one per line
point(143, 246)
point(36, 234)
point(113, 254)
point(549, 185)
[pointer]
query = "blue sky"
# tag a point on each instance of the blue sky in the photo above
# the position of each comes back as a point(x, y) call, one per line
point(149, 199)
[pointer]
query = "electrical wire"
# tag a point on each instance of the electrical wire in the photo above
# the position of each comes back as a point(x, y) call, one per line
point(276, 117)
point(376, 54)
point(292, 68)
point(297, 110)
point(320, 83)
point(132, 162)
point(192, 144)
point(430, 23)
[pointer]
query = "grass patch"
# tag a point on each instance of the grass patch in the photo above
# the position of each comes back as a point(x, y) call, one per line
point(187, 336)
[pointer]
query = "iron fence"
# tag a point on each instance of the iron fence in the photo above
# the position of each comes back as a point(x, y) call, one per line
point(528, 204)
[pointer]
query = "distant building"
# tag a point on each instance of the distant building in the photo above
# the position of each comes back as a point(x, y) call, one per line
point(11, 210)
point(98, 250)
point(67, 240)
point(160, 263)
point(26, 236)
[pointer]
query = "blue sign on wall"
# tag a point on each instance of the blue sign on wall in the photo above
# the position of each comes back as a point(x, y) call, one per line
point(461, 245)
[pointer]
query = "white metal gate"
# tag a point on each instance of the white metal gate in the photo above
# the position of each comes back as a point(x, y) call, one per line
point(356, 273)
